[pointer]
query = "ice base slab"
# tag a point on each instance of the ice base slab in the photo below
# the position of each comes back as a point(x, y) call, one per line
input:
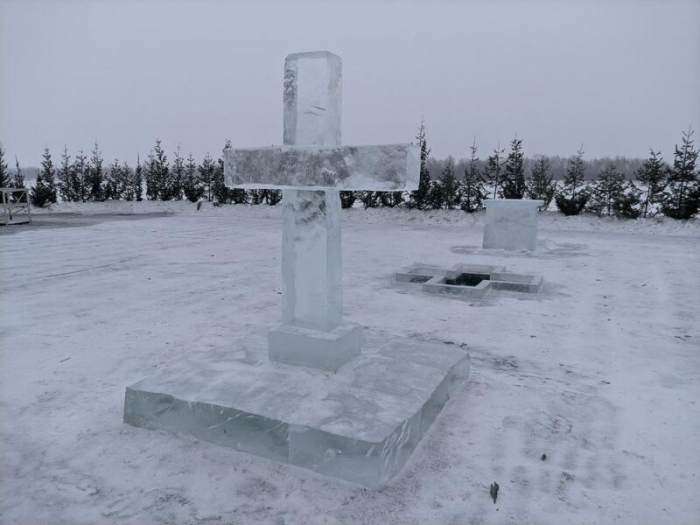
point(329, 351)
point(360, 424)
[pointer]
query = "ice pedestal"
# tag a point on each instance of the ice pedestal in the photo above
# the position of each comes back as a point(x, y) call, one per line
point(326, 350)
point(511, 224)
point(360, 424)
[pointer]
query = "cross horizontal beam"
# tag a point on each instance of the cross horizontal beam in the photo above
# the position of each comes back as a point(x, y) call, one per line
point(393, 167)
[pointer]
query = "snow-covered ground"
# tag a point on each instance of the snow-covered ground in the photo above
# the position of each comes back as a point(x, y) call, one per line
point(600, 372)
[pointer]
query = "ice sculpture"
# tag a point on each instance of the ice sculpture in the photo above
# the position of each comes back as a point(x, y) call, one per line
point(345, 413)
point(311, 168)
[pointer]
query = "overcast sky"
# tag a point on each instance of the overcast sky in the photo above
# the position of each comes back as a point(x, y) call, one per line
point(617, 76)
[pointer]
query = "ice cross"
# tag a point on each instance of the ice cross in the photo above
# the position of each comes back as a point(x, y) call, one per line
point(311, 168)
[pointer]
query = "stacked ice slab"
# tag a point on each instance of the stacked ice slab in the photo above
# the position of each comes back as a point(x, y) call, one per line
point(328, 398)
point(511, 224)
point(360, 424)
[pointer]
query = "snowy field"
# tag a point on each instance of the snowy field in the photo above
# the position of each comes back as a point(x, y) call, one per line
point(600, 372)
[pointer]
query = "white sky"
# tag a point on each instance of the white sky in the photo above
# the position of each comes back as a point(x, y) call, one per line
point(618, 76)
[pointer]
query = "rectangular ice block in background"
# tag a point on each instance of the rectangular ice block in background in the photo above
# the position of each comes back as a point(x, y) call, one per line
point(511, 224)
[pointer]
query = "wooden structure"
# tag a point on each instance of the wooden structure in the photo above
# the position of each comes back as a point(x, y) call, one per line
point(15, 206)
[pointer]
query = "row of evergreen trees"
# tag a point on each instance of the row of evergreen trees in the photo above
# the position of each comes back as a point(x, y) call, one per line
point(84, 178)
point(673, 190)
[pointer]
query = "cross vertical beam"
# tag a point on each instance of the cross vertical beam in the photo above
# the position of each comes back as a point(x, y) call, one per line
point(312, 289)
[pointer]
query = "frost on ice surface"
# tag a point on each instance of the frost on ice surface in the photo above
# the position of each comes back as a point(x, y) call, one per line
point(360, 424)
point(312, 287)
point(312, 99)
point(511, 224)
point(392, 167)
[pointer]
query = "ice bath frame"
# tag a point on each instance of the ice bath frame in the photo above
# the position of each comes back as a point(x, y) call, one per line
point(468, 281)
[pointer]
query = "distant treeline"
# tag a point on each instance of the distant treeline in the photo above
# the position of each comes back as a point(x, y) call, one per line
point(617, 187)
point(627, 166)
point(557, 165)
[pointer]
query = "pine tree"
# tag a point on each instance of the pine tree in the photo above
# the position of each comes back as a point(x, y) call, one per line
point(113, 182)
point(370, 199)
point(17, 181)
point(125, 186)
point(390, 199)
point(629, 204)
point(221, 192)
point(494, 169)
point(191, 185)
point(17, 178)
point(255, 196)
point(653, 174)
point(206, 175)
point(419, 197)
point(79, 179)
point(572, 198)
point(607, 191)
point(40, 193)
point(238, 196)
point(65, 176)
point(436, 195)
point(680, 200)
point(44, 191)
point(472, 189)
point(94, 175)
point(4, 172)
point(449, 185)
point(150, 175)
point(48, 173)
point(274, 197)
point(178, 175)
point(513, 184)
point(347, 199)
point(158, 178)
point(137, 181)
point(162, 177)
point(541, 185)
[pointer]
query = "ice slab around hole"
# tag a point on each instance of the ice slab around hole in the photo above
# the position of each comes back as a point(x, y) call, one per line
point(360, 424)
point(442, 281)
point(440, 286)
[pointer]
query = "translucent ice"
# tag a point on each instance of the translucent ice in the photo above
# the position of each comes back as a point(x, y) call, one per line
point(311, 168)
point(511, 224)
point(312, 99)
point(360, 424)
point(312, 287)
point(392, 167)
